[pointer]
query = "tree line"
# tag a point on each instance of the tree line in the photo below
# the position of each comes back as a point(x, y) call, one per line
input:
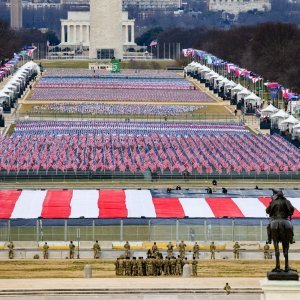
point(12, 41)
point(271, 50)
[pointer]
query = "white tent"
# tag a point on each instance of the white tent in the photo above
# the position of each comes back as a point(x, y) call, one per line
point(278, 117)
point(230, 84)
point(269, 110)
point(288, 123)
point(3, 97)
point(296, 130)
point(253, 99)
point(237, 88)
point(242, 94)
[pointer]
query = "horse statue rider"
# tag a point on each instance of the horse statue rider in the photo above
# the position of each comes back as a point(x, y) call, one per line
point(280, 228)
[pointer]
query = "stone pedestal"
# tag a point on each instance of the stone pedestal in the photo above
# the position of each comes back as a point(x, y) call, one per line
point(280, 289)
point(187, 271)
point(88, 271)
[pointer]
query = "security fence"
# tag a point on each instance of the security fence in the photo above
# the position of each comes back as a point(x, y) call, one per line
point(248, 229)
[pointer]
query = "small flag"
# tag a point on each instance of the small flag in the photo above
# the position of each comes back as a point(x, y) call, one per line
point(153, 43)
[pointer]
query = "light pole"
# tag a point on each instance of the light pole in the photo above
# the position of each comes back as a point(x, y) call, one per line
point(78, 238)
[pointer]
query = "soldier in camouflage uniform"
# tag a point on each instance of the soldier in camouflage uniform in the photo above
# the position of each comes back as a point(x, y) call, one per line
point(154, 266)
point(140, 266)
point(178, 266)
point(159, 265)
point(97, 250)
point(71, 250)
point(149, 266)
point(194, 267)
point(181, 248)
point(166, 266)
point(127, 249)
point(127, 267)
point(212, 248)
point(154, 250)
point(134, 267)
point(236, 250)
point(117, 266)
point(173, 266)
point(170, 248)
point(196, 250)
point(266, 251)
point(11, 247)
point(46, 251)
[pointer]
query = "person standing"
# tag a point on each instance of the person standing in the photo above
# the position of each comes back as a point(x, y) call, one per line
point(71, 249)
point(134, 267)
point(127, 249)
point(11, 247)
point(266, 251)
point(97, 250)
point(181, 248)
point(46, 251)
point(212, 248)
point(154, 250)
point(178, 266)
point(196, 250)
point(170, 248)
point(215, 185)
point(127, 266)
point(117, 266)
point(227, 288)
point(166, 266)
point(236, 250)
point(140, 266)
point(194, 266)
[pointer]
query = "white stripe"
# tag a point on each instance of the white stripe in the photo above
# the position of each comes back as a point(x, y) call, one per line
point(139, 203)
point(84, 203)
point(196, 208)
point(251, 207)
point(29, 205)
point(295, 202)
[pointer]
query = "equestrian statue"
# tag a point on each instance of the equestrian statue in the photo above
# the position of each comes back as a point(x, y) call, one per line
point(280, 230)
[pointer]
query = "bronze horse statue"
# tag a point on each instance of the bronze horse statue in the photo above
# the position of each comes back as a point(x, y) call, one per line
point(280, 229)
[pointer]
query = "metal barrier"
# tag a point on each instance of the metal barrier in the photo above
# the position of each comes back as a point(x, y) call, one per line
point(137, 230)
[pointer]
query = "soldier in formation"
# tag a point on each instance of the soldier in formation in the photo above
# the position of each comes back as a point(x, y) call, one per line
point(11, 247)
point(196, 250)
point(194, 266)
point(212, 248)
point(71, 249)
point(97, 250)
point(170, 248)
point(151, 266)
point(46, 251)
point(181, 248)
point(236, 250)
point(127, 249)
point(267, 253)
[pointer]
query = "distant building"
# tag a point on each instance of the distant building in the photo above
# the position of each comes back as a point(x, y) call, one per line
point(16, 19)
point(104, 33)
point(153, 4)
point(238, 6)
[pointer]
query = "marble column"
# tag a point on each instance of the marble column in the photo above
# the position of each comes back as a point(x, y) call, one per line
point(63, 33)
point(132, 33)
point(68, 33)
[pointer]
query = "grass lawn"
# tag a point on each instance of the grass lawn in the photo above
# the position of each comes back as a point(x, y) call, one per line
point(130, 64)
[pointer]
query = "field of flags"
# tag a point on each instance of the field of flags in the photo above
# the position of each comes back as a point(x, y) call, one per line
point(99, 85)
point(138, 147)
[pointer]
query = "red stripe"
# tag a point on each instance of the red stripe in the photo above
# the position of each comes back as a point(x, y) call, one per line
point(8, 201)
point(57, 204)
point(112, 204)
point(224, 207)
point(168, 208)
point(266, 201)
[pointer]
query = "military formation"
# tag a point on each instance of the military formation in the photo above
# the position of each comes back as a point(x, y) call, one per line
point(154, 264)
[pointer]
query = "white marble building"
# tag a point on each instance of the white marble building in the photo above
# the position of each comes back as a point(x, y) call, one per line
point(238, 6)
point(98, 30)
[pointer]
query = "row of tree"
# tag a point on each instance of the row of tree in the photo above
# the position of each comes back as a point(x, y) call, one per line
point(12, 41)
point(271, 50)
